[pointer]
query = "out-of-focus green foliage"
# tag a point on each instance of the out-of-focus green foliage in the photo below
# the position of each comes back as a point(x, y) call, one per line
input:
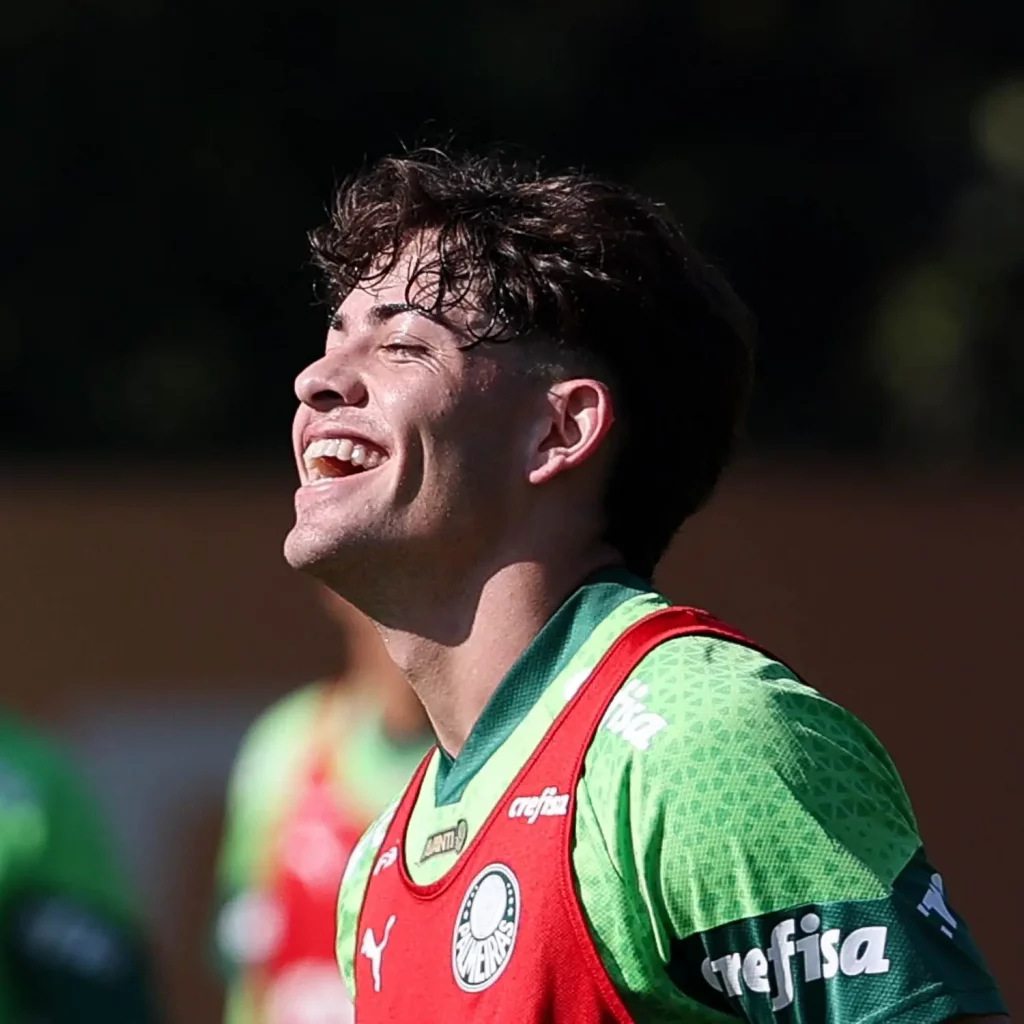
point(857, 167)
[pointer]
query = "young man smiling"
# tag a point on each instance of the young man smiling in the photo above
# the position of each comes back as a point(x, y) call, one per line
point(634, 813)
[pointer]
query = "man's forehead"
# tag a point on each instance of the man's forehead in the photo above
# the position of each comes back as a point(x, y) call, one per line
point(414, 284)
point(372, 293)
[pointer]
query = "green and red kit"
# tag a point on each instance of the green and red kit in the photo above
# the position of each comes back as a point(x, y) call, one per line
point(654, 820)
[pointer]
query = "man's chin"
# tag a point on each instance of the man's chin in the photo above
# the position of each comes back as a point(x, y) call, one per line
point(330, 559)
point(308, 553)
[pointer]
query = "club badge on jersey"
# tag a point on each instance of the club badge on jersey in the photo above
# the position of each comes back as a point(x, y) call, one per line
point(502, 936)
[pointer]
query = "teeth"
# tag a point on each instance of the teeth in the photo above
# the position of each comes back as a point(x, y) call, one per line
point(339, 448)
point(317, 449)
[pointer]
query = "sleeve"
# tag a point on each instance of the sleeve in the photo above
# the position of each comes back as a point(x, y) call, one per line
point(73, 935)
point(353, 889)
point(781, 863)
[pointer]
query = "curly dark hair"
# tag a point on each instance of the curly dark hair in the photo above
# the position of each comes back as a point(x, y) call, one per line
point(603, 277)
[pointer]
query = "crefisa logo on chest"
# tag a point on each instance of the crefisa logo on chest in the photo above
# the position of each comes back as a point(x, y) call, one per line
point(486, 928)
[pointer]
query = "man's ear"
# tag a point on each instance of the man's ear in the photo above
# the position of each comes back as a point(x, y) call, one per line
point(579, 417)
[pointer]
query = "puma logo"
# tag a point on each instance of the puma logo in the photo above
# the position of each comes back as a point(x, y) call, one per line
point(374, 950)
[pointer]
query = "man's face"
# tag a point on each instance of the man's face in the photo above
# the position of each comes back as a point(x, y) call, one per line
point(412, 449)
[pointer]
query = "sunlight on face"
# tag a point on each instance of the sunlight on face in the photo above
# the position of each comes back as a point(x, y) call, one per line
point(409, 443)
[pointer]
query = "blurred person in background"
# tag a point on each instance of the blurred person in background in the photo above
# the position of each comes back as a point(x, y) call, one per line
point(313, 771)
point(634, 812)
point(73, 943)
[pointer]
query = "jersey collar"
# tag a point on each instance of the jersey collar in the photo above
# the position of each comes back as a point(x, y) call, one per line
point(546, 656)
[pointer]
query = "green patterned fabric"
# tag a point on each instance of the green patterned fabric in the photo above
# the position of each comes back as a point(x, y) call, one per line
point(719, 793)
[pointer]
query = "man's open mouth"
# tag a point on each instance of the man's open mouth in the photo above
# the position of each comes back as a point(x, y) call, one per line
point(340, 456)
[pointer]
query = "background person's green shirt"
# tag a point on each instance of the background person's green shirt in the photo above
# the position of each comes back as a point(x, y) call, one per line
point(70, 932)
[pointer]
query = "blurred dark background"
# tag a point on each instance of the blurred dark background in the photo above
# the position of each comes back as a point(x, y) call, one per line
point(857, 169)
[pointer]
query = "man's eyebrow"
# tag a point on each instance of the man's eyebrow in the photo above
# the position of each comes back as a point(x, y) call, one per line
point(381, 314)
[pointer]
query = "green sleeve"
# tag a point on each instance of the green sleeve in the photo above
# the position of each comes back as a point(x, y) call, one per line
point(72, 932)
point(780, 865)
point(353, 889)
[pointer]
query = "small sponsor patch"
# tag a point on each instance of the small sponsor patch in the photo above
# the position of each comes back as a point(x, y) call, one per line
point(451, 840)
point(550, 804)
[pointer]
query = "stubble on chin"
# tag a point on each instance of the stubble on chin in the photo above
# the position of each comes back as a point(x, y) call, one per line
point(338, 564)
point(305, 549)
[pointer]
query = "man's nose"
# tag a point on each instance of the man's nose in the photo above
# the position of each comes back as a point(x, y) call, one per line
point(329, 383)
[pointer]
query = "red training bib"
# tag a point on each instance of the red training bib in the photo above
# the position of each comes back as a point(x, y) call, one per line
point(502, 936)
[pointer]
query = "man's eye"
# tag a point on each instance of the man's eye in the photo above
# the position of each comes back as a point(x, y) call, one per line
point(405, 348)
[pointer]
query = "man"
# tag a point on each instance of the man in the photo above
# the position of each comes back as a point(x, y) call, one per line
point(634, 812)
point(313, 771)
point(73, 950)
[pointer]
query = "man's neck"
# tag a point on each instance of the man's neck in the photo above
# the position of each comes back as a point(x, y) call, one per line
point(457, 661)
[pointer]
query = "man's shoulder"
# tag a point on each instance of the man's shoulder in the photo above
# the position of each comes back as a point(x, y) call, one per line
point(699, 691)
point(705, 694)
point(732, 808)
point(717, 741)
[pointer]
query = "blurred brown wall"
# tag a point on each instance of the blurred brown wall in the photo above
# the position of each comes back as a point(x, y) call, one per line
point(895, 595)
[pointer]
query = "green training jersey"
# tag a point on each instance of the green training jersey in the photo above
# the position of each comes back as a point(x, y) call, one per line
point(72, 944)
point(743, 847)
point(312, 772)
